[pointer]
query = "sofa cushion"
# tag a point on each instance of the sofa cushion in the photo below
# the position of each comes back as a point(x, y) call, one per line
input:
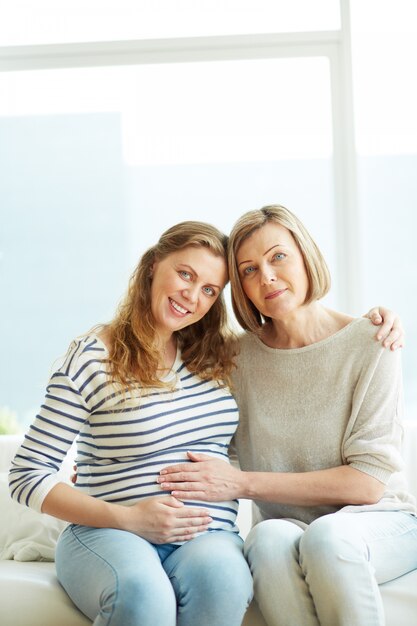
point(400, 600)
point(30, 595)
point(25, 535)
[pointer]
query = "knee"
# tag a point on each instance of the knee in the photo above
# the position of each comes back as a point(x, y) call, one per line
point(263, 536)
point(140, 599)
point(270, 543)
point(330, 539)
point(220, 568)
point(231, 579)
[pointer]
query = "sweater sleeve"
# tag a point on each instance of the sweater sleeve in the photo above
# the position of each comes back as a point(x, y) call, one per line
point(372, 442)
point(66, 407)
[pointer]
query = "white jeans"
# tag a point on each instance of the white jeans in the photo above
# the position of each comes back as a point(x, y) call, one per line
point(328, 574)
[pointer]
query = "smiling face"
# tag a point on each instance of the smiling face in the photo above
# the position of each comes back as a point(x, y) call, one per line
point(272, 271)
point(185, 285)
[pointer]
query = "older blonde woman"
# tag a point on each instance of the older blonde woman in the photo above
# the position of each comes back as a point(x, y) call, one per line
point(318, 440)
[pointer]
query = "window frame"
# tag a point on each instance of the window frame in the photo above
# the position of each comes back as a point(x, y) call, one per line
point(334, 45)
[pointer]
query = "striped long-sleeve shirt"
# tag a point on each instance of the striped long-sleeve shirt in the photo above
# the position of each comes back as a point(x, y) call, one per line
point(123, 439)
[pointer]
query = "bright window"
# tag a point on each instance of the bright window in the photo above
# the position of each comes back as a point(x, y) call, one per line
point(384, 43)
point(97, 162)
point(60, 21)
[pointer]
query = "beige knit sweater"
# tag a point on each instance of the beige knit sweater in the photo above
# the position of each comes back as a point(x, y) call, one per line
point(337, 401)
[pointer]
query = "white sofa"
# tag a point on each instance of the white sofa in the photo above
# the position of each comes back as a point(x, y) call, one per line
point(30, 594)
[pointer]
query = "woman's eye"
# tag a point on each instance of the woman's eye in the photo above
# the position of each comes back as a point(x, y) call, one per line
point(209, 291)
point(279, 256)
point(248, 270)
point(185, 274)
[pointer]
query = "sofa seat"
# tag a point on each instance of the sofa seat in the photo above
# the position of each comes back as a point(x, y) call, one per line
point(32, 596)
point(400, 600)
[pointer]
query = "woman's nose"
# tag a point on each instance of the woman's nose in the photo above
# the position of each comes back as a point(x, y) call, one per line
point(191, 293)
point(267, 276)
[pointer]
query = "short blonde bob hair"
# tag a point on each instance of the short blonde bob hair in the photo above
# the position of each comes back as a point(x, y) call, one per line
point(318, 274)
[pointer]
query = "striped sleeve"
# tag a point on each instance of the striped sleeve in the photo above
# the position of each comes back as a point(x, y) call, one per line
point(63, 413)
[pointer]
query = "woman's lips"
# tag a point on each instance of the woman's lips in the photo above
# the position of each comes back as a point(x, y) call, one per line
point(275, 294)
point(178, 308)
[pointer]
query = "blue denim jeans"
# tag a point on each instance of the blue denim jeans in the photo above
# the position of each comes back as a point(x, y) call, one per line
point(119, 579)
point(328, 574)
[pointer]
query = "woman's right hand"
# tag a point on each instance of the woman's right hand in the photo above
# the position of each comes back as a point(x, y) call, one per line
point(164, 519)
point(158, 519)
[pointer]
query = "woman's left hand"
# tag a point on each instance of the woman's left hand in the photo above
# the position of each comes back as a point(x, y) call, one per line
point(390, 331)
point(205, 479)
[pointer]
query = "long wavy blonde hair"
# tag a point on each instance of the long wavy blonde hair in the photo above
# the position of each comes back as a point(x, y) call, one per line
point(207, 346)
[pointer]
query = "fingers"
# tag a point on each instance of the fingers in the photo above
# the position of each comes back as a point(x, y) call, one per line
point(385, 328)
point(191, 495)
point(194, 515)
point(391, 335)
point(393, 340)
point(173, 469)
point(390, 331)
point(182, 534)
point(179, 524)
point(375, 316)
point(181, 485)
point(194, 456)
point(185, 528)
point(173, 502)
point(176, 477)
point(194, 522)
point(397, 344)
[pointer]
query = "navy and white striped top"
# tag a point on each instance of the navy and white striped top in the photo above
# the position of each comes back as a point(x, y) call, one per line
point(123, 439)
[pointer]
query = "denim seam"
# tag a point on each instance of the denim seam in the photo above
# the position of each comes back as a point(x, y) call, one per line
point(104, 561)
